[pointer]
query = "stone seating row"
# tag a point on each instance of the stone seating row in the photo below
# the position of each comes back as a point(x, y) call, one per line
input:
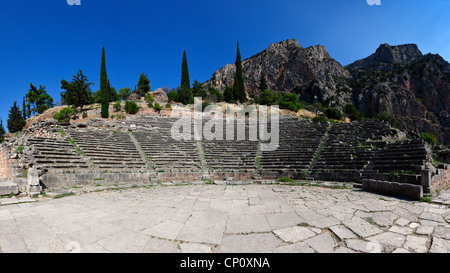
point(165, 153)
point(50, 153)
point(108, 149)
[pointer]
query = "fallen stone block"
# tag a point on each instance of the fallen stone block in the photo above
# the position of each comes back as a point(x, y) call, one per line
point(8, 187)
point(409, 191)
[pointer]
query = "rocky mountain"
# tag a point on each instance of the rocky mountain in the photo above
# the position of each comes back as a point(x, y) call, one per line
point(288, 67)
point(400, 81)
point(396, 80)
point(390, 55)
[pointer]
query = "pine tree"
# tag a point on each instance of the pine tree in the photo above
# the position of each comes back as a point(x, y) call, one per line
point(104, 87)
point(16, 122)
point(239, 85)
point(2, 131)
point(78, 92)
point(263, 82)
point(143, 86)
point(38, 100)
point(185, 82)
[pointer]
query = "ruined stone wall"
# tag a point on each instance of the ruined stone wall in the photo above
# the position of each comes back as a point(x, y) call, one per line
point(441, 178)
point(5, 165)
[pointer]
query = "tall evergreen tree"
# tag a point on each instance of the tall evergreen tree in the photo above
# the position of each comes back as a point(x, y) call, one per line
point(2, 131)
point(16, 122)
point(143, 86)
point(24, 109)
point(263, 82)
point(185, 82)
point(198, 90)
point(228, 95)
point(185, 95)
point(239, 85)
point(38, 100)
point(104, 87)
point(78, 92)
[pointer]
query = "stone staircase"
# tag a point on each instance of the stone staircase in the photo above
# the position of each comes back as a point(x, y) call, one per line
point(299, 141)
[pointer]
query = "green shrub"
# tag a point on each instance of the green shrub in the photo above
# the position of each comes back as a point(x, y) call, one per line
point(393, 121)
point(131, 107)
point(320, 118)
point(157, 107)
point(429, 138)
point(353, 113)
point(168, 106)
point(267, 97)
point(149, 98)
point(290, 101)
point(117, 106)
point(172, 95)
point(333, 113)
point(215, 95)
point(85, 115)
point(64, 115)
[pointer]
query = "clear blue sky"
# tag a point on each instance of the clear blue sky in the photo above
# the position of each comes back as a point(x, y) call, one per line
point(44, 42)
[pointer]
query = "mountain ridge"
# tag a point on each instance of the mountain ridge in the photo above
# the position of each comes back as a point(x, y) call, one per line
point(397, 80)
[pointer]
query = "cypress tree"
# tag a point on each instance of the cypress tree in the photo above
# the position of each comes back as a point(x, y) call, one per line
point(104, 87)
point(185, 82)
point(262, 82)
point(239, 85)
point(24, 109)
point(2, 131)
point(16, 122)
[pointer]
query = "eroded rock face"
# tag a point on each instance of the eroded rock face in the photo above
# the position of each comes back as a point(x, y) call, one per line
point(402, 82)
point(387, 54)
point(288, 67)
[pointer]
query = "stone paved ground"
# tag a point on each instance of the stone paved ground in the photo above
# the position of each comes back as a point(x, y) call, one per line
point(212, 218)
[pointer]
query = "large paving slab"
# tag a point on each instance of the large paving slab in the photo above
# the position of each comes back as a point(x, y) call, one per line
point(224, 218)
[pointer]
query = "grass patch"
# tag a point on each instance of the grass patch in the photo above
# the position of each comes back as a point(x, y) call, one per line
point(19, 149)
point(285, 179)
point(99, 179)
point(64, 195)
point(425, 199)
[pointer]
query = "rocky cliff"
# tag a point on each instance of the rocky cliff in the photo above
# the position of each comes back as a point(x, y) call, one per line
point(288, 67)
point(400, 81)
point(397, 80)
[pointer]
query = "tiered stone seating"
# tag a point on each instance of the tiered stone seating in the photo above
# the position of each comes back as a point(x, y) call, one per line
point(164, 152)
point(108, 149)
point(406, 157)
point(348, 150)
point(299, 141)
point(231, 155)
point(53, 153)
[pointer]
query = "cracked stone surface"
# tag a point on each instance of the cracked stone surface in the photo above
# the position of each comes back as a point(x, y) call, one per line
point(225, 218)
